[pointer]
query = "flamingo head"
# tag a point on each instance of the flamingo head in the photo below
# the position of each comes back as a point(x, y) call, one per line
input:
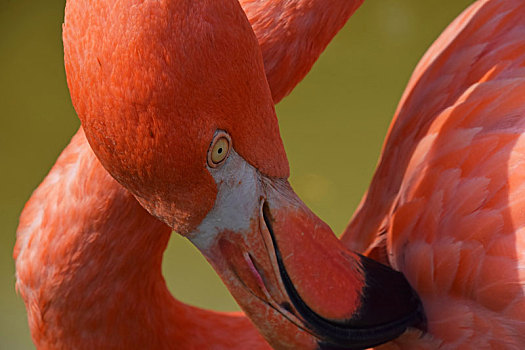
point(174, 102)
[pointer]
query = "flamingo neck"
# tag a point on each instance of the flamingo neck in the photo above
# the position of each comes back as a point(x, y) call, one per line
point(89, 267)
point(292, 35)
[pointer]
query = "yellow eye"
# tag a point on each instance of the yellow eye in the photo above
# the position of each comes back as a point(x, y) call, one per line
point(219, 150)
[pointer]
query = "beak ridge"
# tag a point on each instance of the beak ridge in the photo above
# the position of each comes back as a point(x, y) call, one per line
point(380, 304)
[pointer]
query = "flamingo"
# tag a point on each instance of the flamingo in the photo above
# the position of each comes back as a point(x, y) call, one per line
point(78, 285)
point(73, 282)
point(444, 204)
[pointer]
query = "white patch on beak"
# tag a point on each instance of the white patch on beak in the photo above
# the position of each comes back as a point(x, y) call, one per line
point(237, 202)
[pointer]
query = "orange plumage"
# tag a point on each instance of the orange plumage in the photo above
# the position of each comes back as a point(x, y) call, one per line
point(444, 208)
point(445, 204)
point(85, 252)
point(79, 214)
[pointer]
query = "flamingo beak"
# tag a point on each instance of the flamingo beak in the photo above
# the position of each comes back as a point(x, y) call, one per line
point(302, 288)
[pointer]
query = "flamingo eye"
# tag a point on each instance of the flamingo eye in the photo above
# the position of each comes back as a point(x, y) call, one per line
point(219, 150)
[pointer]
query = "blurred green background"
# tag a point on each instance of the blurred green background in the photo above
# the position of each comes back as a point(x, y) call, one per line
point(332, 125)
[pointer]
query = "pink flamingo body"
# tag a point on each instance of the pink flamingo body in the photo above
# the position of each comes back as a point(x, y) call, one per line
point(444, 205)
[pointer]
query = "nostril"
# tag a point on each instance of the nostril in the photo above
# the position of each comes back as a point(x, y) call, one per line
point(286, 306)
point(267, 215)
point(268, 220)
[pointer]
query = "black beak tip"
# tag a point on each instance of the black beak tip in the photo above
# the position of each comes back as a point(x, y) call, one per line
point(419, 321)
point(389, 307)
point(326, 346)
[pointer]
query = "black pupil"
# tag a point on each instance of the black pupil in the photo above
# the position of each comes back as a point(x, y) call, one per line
point(219, 150)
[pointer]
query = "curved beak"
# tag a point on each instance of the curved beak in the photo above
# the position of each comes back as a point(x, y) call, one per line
point(302, 288)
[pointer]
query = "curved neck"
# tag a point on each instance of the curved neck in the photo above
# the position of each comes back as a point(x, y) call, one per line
point(89, 261)
point(292, 35)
